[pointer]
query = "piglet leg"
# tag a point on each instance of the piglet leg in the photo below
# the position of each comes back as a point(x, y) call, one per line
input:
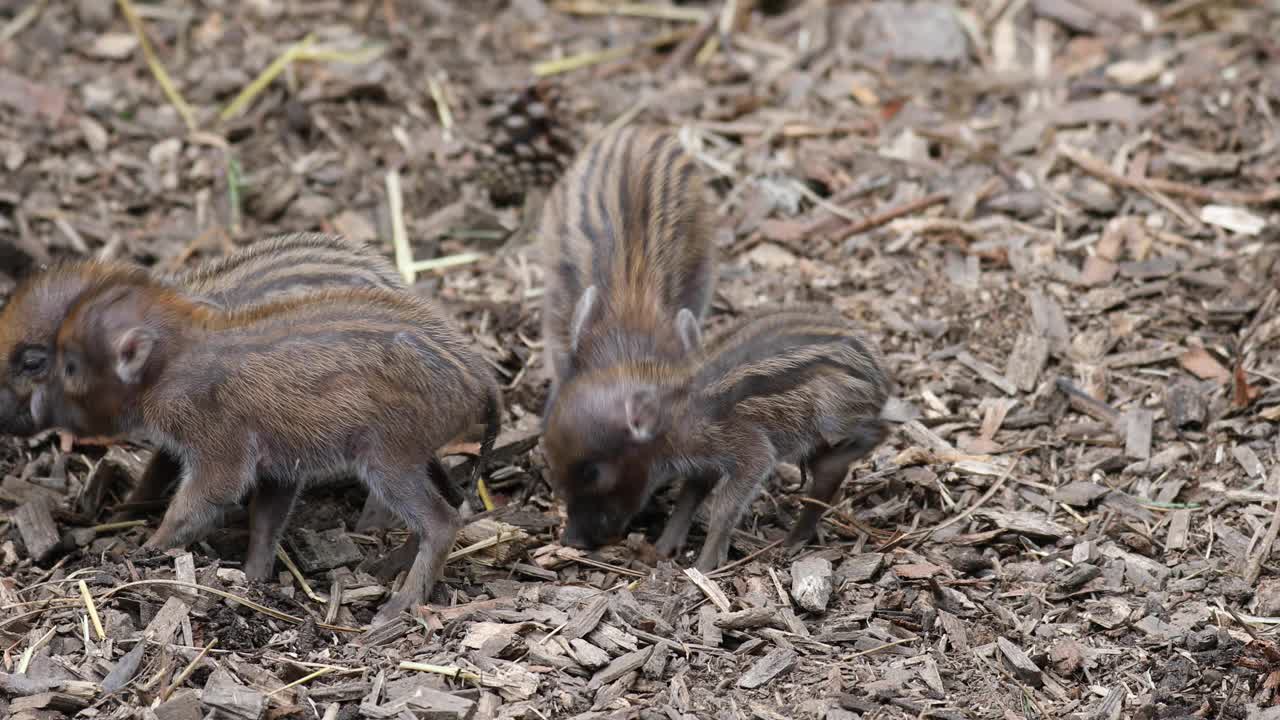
point(209, 487)
point(433, 524)
point(269, 510)
point(830, 464)
point(161, 472)
point(753, 462)
point(677, 529)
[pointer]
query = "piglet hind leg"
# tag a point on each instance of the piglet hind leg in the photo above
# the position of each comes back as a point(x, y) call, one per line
point(753, 462)
point(433, 525)
point(829, 465)
point(208, 488)
point(691, 495)
point(269, 510)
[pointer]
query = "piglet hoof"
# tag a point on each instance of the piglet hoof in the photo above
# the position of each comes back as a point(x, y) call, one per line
point(391, 611)
point(798, 536)
point(668, 549)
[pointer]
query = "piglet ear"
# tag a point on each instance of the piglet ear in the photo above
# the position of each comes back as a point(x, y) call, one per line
point(642, 414)
point(687, 327)
point(132, 350)
point(581, 312)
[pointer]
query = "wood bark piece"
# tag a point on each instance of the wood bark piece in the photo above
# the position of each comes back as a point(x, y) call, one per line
point(224, 694)
point(767, 668)
point(1019, 663)
point(182, 706)
point(987, 372)
point(709, 588)
point(749, 619)
point(582, 623)
point(124, 670)
point(1186, 406)
point(711, 635)
point(166, 622)
point(1137, 437)
point(38, 531)
point(1027, 360)
point(620, 666)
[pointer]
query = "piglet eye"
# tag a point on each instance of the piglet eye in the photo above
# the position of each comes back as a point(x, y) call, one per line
point(589, 473)
point(71, 369)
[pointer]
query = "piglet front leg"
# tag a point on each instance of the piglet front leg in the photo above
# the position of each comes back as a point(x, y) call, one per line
point(268, 514)
point(208, 488)
point(691, 495)
point(752, 464)
point(161, 472)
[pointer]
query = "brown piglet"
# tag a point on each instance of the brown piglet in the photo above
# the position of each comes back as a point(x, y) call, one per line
point(797, 385)
point(630, 268)
point(267, 398)
point(273, 268)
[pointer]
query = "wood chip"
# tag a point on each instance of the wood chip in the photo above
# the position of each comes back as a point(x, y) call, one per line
point(861, 568)
point(707, 629)
point(1019, 663)
point(38, 531)
point(167, 621)
point(622, 665)
point(184, 705)
point(767, 668)
point(987, 372)
point(580, 624)
point(749, 619)
point(233, 700)
point(587, 655)
point(1137, 442)
point(1026, 361)
point(709, 588)
point(1179, 528)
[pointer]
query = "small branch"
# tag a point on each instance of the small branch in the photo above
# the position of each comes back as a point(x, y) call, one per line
point(888, 216)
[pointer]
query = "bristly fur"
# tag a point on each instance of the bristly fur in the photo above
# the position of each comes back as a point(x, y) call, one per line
point(627, 247)
point(628, 218)
point(265, 398)
point(794, 385)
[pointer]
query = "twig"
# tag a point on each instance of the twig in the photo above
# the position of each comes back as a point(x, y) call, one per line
point(484, 544)
point(93, 611)
point(303, 679)
point(1098, 168)
point(22, 20)
point(888, 216)
point(633, 9)
point(442, 103)
point(448, 261)
point(399, 236)
point(157, 68)
point(186, 671)
point(228, 596)
point(456, 673)
point(587, 59)
point(122, 525)
point(258, 84)
point(1264, 551)
point(921, 535)
point(297, 575)
point(31, 651)
point(720, 572)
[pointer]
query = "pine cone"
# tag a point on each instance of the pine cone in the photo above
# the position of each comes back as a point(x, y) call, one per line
point(528, 143)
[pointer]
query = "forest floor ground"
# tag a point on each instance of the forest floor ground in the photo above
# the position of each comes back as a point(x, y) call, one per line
point(1059, 218)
